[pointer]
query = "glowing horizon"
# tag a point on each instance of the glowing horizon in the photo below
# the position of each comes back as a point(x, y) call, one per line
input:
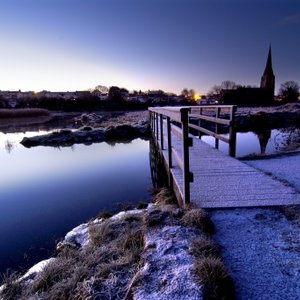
point(55, 46)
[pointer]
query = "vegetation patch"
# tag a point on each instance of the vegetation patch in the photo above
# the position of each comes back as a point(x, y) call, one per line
point(102, 270)
point(211, 271)
point(130, 252)
point(292, 212)
point(213, 275)
point(197, 217)
point(23, 113)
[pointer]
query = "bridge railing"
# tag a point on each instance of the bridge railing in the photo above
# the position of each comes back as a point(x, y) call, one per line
point(158, 116)
point(216, 116)
point(190, 117)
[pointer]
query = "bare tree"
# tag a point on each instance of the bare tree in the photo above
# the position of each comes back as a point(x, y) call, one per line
point(185, 93)
point(101, 88)
point(228, 85)
point(216, 90)
point(188, 94)
point(289, 91)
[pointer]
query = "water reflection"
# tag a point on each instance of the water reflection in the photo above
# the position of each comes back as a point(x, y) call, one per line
point(9, 146)
point(261, 142)
point(288, 138)
point(45, 192)
point(158, 173)
point(11, 141)
point(263, 137)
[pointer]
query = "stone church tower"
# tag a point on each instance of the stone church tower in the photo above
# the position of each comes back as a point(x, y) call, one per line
point(268, 78)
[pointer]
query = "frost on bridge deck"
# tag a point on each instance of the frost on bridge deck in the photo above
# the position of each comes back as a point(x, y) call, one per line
point(222, 181)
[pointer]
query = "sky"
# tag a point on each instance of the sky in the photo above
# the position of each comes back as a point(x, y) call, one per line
point(67, 45)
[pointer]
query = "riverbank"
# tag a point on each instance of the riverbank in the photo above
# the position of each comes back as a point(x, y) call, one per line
point(99, 126)
point(261, 246)
point(161, 252)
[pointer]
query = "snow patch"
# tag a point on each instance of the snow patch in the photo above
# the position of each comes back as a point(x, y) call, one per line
point(36, 269)
point(168, 270)
point(123, 214)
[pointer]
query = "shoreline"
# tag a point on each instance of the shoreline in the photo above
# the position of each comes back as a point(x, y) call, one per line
point(259, 217)
point(161, 237)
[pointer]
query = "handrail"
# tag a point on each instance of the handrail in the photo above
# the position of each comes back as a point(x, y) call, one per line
point(160, 116)
point(180, 115)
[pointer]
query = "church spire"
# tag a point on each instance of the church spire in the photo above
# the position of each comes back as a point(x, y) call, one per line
point(269, 70)
point(268, 78)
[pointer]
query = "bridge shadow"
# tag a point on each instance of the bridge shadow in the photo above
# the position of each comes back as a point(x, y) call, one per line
point(159, 175)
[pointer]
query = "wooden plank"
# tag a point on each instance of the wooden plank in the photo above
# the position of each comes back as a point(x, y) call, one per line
point(171, 113)
point(211, 133)
point(211, 119)
point(178, 159)
point(177, 131)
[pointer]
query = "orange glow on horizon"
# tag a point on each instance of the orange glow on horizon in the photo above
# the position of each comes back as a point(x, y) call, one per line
point(197, 97)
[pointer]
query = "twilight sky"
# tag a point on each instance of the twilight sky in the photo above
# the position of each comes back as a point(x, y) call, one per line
point(146, 44)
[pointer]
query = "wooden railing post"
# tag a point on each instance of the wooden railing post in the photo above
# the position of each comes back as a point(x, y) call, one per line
point(232, 133)
point(217, 127)
point(169, 138)
point(156, 125)
point(170, 162)
point(199, 124)
point(185, 152)
point(150, 121)
point(161, 132)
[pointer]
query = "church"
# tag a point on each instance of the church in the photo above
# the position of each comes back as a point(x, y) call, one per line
point(264, 95)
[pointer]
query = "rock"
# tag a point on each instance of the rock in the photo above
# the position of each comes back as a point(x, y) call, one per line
point(87, 135)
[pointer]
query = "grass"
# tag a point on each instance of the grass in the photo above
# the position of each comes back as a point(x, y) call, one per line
point(163, 196)
point(23, 113)
point(11, 286)
point(213, 275)
point(292, 212)
point(108, 267)
point(103, 269)
point(197, 217)
point(211, 271)
point(204, 247)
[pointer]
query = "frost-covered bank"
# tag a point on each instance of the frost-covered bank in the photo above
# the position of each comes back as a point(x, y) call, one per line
point(162, 252)
point(89, 135)
point(261, 246)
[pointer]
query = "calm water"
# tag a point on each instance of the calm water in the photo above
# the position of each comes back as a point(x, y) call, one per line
point(45, 192)
point(264, 142)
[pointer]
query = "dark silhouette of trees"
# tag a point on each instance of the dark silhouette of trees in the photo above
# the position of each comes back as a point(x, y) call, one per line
point(101, 88)
point(188, 94)
point(216, 91)
point(289, 91)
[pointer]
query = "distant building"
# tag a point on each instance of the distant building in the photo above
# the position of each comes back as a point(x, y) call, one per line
point(245, 96)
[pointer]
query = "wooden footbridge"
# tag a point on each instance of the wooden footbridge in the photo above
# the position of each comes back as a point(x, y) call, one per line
point(204, 175)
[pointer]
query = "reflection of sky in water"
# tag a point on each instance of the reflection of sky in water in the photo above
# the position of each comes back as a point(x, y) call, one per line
point(45, 191)
point(10, 141)
point(248, 143)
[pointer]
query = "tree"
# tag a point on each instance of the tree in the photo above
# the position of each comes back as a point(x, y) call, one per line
point(216, 90)
point(184, 93)
point(101, 88)
point(289, 91)
point(188, 94)
point(229, 85)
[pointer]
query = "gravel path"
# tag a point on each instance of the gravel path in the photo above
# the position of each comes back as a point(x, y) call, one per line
point(284, 167)
point(260, 246)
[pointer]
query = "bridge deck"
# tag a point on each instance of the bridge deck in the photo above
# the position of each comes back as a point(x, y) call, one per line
point(223, 181)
